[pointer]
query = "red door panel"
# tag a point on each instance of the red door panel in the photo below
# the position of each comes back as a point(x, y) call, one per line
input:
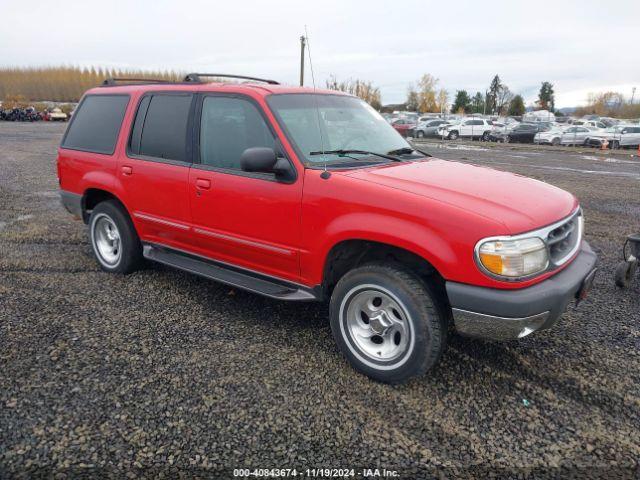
point(249, 222)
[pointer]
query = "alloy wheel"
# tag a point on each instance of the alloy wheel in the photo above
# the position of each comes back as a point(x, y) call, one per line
point(376, 325)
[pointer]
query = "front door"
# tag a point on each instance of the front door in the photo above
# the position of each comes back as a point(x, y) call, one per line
point(250, 220)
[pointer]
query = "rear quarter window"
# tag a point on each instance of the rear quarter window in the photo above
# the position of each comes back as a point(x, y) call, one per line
point(96, 123)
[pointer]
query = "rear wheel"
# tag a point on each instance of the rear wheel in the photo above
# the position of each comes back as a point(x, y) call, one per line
point(453, 135)
point(113, 238)
point(485, 137)
point(387, 322)
point(555, 142)
point(420, 134)
point(624, 273)
point(507, 139)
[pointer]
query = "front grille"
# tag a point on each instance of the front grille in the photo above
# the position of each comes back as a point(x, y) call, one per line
point(564, 240)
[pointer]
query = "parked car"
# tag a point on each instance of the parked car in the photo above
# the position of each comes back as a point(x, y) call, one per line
point(616, 137)
point(468, 128)
point(426, 129)
point(402, 126)
point(577, 135)
point(261, 187)
point(521, 133)
point(31, 115)
point(56, 115)
point(551, 136)
point(590, 124)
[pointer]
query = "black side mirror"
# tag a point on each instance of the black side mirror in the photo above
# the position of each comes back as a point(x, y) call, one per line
point(258, 159)
point(265, 160)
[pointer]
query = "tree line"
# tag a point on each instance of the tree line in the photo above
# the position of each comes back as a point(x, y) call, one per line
point(68, 83)
point(65, 84)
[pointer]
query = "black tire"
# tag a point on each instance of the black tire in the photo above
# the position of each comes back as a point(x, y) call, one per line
point(485, 137)
point(129, 246)
point(507, 139)
point(624, 273)
point(419, 134)
point(614, 145)
point(423, 313)
point(555, 142)
point(453, 135)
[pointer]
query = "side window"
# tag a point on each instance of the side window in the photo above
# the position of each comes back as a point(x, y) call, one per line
point(228, 127)
point(160, 127)
point(95, 126)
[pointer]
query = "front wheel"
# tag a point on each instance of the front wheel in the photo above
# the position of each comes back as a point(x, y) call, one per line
point(507, 139)
point(387, 322)
point(420, 134)
point(485, 137)
point(452, 135)
point(113, 238)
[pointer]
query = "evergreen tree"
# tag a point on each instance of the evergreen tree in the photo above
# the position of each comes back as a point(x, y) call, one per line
point(516, 107)
point(462, 102)
point(494, 92)
point(546, 97)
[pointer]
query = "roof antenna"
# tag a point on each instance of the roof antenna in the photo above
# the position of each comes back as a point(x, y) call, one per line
point(325, 174)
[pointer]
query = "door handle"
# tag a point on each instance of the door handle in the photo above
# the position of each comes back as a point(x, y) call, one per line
point(126, 170)
point(203, 184)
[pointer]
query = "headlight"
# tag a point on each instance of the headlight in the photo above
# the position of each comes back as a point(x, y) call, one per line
point(513, 258)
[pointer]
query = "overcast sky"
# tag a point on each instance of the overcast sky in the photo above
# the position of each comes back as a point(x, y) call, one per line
point(580, 46)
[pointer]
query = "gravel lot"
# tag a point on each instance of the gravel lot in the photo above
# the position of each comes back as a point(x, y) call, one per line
point(164, 373)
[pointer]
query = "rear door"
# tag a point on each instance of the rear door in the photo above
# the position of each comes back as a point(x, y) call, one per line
point(155, 170)
point(251, 220)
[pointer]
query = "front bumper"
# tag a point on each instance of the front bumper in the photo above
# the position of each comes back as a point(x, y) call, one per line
point(506, 314)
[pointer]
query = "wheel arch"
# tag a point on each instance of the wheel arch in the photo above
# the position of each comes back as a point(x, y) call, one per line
point(92, 196)
point(353, 252)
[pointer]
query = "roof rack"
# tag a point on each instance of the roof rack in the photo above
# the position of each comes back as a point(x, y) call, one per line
point(195, 77)
point(114, 81)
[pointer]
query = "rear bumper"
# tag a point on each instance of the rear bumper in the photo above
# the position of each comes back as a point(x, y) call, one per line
point(505, 314)
point(72, 202)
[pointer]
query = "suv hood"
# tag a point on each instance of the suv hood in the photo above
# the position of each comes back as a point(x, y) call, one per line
point(521, 204)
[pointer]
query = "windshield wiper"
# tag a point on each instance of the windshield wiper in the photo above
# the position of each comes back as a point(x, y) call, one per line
point(356, 152)
point(406, 151)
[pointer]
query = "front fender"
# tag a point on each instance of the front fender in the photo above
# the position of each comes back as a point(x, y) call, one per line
point(398, 232)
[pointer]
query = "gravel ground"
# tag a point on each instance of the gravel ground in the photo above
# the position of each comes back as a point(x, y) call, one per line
point(164, 373)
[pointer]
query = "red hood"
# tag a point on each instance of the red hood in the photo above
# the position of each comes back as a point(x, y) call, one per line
point(520, 203)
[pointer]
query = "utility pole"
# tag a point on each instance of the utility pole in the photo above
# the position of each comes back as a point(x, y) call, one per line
point(303, 42)
point(633, 94)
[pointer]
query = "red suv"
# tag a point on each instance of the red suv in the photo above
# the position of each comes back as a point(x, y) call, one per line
point(300, 194)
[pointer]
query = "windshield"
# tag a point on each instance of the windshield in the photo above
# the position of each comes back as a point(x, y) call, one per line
point(345, 123)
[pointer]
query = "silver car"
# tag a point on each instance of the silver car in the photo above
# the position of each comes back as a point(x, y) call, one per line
point(428, 128)
point(616, 137)
point(577, 135)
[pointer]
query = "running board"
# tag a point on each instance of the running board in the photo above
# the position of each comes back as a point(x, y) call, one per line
point(222, 273)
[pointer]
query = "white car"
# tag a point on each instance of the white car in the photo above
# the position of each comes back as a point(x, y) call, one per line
point(553, 136)
point(616, 137)
point(467, 128)
point(590, 124)
point(57, 115)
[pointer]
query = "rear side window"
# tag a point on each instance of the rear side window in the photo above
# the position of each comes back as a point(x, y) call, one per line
point(96, 123)
point(160, 129)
